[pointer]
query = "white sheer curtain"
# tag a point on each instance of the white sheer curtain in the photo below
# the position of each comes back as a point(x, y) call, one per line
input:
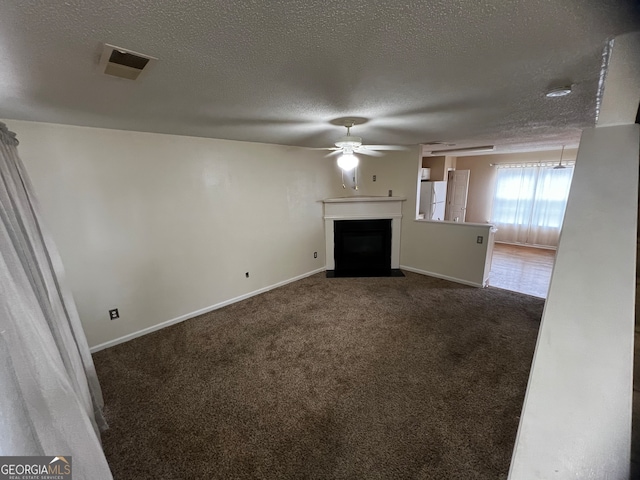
point(529, 203)
point(50, 398)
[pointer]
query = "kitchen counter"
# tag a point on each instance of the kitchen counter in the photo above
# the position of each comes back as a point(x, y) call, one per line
point(466, 224)
point(364, 198)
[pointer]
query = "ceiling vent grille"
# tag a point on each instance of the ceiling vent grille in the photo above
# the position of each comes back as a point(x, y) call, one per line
point(124, 63)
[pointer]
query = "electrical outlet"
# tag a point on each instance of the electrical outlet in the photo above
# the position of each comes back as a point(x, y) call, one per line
point(391, 193)
point(374, 178)
point(479, 239)
point(315, 254)
point(113, 314)
point(246, 274)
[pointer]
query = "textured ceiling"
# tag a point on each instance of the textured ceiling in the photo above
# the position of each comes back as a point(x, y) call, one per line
point(461, 71)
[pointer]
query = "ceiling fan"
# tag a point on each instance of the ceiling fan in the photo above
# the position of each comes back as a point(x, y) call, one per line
point(349, 145)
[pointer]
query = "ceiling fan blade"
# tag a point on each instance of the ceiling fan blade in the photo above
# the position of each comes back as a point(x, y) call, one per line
point(365, 151)
point(384, 147)
point(336, 152)
point(325, 148)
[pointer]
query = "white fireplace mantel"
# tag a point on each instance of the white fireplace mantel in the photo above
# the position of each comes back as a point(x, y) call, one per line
point(363, 208)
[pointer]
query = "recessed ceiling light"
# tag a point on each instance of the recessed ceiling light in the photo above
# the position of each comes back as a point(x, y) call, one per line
point(559, 92)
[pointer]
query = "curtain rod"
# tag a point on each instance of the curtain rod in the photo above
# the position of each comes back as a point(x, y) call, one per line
point(552, 162)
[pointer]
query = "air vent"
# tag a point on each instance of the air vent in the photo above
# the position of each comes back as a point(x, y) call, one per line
point(123, 63)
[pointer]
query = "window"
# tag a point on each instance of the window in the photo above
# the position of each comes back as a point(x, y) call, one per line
point(530, 201)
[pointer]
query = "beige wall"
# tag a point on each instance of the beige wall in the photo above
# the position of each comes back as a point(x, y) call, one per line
point(481, 185)
point(443, 249)
point(161, 226)
point(482, 177)
point(164, 226)
point(440, 166)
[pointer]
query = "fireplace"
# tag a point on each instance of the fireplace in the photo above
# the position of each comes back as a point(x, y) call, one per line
point(362, 235)
point(362, 248)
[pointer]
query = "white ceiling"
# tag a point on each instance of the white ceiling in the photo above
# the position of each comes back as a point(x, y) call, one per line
point(279, 71)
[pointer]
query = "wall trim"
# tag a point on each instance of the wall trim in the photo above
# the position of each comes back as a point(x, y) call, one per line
point(529, 245)
point(371, 216)
point(443, 277)
point(187, 316)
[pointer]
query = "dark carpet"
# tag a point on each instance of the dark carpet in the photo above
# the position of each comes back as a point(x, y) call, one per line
point(343, 378)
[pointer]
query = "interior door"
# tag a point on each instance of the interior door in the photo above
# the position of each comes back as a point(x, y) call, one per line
point(457, 190)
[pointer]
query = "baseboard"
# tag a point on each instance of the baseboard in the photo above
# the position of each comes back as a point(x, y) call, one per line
point(187, 316)
point(443, 277)
point(529, 245)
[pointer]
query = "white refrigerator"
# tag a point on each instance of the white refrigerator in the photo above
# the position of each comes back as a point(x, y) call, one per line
point(432, 199)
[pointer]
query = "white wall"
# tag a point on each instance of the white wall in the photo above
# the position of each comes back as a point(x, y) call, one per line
point(576, 419)
point(160, 226)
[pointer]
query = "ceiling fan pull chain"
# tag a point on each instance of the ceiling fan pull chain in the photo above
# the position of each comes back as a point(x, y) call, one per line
point(343, 185)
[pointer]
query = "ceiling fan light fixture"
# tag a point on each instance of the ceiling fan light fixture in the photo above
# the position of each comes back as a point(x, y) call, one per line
point(349, 142)
point(348, 162)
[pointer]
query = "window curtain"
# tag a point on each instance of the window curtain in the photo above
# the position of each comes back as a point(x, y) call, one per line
point(50, 398)
point(529, 203)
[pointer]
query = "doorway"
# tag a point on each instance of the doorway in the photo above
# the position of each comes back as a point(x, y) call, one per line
point(457, 192)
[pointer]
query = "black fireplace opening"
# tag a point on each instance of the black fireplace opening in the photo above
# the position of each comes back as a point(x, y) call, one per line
point(362, 248)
